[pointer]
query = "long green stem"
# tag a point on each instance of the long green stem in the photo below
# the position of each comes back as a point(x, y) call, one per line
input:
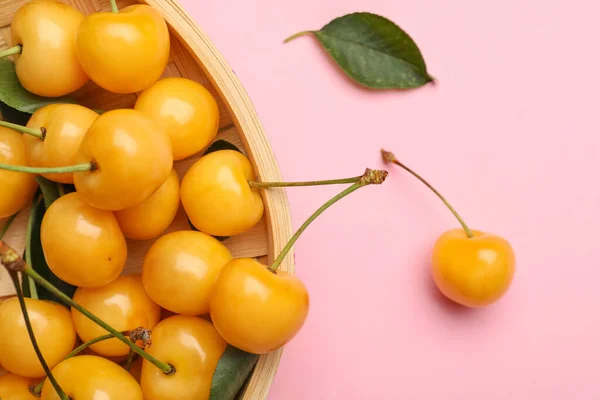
point(113, 6)
point(9, 52)
point(32, 215)
point(164, 367)
point(49, 170)
point(255, 184)
point(15, 278)
point(38, 133)
point(369, 178)
point(7, 224)
point(38, 388)
point(297, 35)
point(390, 157)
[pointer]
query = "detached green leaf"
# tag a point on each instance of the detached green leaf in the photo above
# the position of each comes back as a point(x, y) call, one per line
point(232, 371)
point(14, 95)
point(373, 51)
point(50, 193)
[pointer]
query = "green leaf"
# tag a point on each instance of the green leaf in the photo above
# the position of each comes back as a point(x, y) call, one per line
point(232, 371)
point(221, 145)
point(50, 193)
point(14, 95)
point(11, 115)
point(49, 190)
point(373, 51)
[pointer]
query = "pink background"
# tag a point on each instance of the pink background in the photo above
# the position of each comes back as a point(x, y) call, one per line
point(511, 135)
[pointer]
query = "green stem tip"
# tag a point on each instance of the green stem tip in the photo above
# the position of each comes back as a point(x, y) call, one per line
point(297, 35)
point(390, 157)
point(113, 6)
point(39, 133)
point(9, 52)
point(370, 177)
point(255, 184)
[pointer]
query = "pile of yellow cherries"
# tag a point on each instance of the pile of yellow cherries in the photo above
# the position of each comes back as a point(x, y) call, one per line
point(192, 298)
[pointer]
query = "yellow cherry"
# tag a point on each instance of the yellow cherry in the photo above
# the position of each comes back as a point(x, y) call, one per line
point(152, 216)
point(52, 327)
point(193, 347)
point(123, 304)
point(92, 378)
point(217, 197)
point(14, 387)
point(125, 51)
point(187, 111)
point(48, 64)
point(255, 309)
point(132, 157)
point(65, 125)
point(181, 268)
point(18, 188)
point(83, 245)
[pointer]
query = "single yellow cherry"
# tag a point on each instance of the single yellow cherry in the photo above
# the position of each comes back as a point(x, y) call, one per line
point(92, 378)
point(193, 347)
point(83, 245)
point(152, 217)
point(18, 188)
point(181, 268)
point(52, 327)
point(46, 31)
point(65, 126)
point(257, 310)
point(123, 304)
point(14, 387)
point(131, 155)
point(125, 51)
point(187, 111)
point(217, 197)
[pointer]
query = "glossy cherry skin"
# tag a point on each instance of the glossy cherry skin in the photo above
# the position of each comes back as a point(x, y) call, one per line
point(152, 217)
point(92, 378)
point(474, 272)
point(187, 111)
point(48, 65)
point(66, 125)
point(216, 196)
point(124, 52)
point(123, 304)
point(14, 387)
point(181, 269)
point(52, 327)
point(83, 245)
point(18, 188)
point(193, 347)
point(133, 158)
point(256, 310)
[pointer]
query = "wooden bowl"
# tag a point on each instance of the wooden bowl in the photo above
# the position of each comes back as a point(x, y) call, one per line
point(192, 56)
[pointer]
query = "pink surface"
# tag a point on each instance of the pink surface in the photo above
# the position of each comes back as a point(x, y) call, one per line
point(511, 135)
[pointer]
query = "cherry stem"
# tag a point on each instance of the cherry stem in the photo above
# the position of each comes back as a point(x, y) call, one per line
point(7, 224)
point(370, 177)
point(38, 388)
point(390, 157)
point(39, 133)
point(15, 278)
point(255, 184)
point(297, 35)
point(15, 263)
point(9, 52)
point(32, 215)
point(129, 361)
point(50, 170)
point(113, 6)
